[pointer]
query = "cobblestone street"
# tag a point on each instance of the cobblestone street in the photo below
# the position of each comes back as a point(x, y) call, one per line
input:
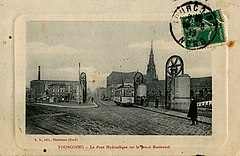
point(107, 119)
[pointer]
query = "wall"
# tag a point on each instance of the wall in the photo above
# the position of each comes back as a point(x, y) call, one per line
point(181, 97)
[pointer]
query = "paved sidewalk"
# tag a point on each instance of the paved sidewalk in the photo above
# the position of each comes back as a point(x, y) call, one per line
point(202, 119)
point(88, 104)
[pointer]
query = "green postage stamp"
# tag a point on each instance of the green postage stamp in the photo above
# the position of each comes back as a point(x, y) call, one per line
point(203, 29)
point(194, 26)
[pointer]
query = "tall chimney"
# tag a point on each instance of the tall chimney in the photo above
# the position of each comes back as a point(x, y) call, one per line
point(39, 72)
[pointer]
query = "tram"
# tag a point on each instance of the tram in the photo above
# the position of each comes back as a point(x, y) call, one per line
point(124, 95)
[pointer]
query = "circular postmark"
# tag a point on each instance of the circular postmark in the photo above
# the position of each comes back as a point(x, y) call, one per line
point(193, 25)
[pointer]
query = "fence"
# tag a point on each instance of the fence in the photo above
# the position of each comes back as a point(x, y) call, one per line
point(205, 104)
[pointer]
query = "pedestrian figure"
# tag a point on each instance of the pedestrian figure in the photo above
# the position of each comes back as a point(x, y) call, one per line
point(145, 103)
point(192, 112)
point(92, 99)
point(156, 102)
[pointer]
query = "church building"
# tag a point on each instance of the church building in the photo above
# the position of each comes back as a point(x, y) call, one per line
point(151, 78)
point(151, 68)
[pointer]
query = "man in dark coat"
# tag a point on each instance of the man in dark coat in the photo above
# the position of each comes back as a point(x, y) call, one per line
point(192, 112)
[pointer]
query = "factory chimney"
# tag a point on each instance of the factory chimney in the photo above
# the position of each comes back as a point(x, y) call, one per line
point(39, 72)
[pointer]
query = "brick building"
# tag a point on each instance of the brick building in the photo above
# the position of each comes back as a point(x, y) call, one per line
point(201, 88)
point(41, 90)
point(116, 78)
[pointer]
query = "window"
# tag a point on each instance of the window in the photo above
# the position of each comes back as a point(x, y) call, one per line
point(117, 92)
point(128, 93)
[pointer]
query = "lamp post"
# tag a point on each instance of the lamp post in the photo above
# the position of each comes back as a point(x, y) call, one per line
point(83, 87)
point(121, 75)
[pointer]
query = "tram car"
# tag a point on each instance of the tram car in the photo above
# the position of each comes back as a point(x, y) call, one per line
point(124, 95)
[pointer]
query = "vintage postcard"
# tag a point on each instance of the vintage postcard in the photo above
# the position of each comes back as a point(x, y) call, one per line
point(153, 83)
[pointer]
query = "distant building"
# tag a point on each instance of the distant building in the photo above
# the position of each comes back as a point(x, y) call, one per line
point(200, 88)
point(42, 90)
point(52, 90)
point(151, 79)
point(116, 78)
point(151, 68)
point(100, 92)
point(61, 92)
point(28, 95)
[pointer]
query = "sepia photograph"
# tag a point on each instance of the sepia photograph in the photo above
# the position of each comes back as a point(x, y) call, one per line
point(114, 78)
point(110, 78)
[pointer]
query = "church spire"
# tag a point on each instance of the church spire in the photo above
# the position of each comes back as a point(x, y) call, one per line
point(152, 46)
point(151, 69)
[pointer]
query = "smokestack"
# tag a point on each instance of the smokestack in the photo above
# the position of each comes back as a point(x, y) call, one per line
point(39, 72)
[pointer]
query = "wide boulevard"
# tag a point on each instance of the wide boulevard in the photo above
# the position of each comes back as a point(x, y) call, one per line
point(107, 119)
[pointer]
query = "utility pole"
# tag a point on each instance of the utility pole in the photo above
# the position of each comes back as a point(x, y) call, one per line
point(121, 75)
point(39, 72)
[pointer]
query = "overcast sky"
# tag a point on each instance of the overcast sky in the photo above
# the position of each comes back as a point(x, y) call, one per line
point(100, 46)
